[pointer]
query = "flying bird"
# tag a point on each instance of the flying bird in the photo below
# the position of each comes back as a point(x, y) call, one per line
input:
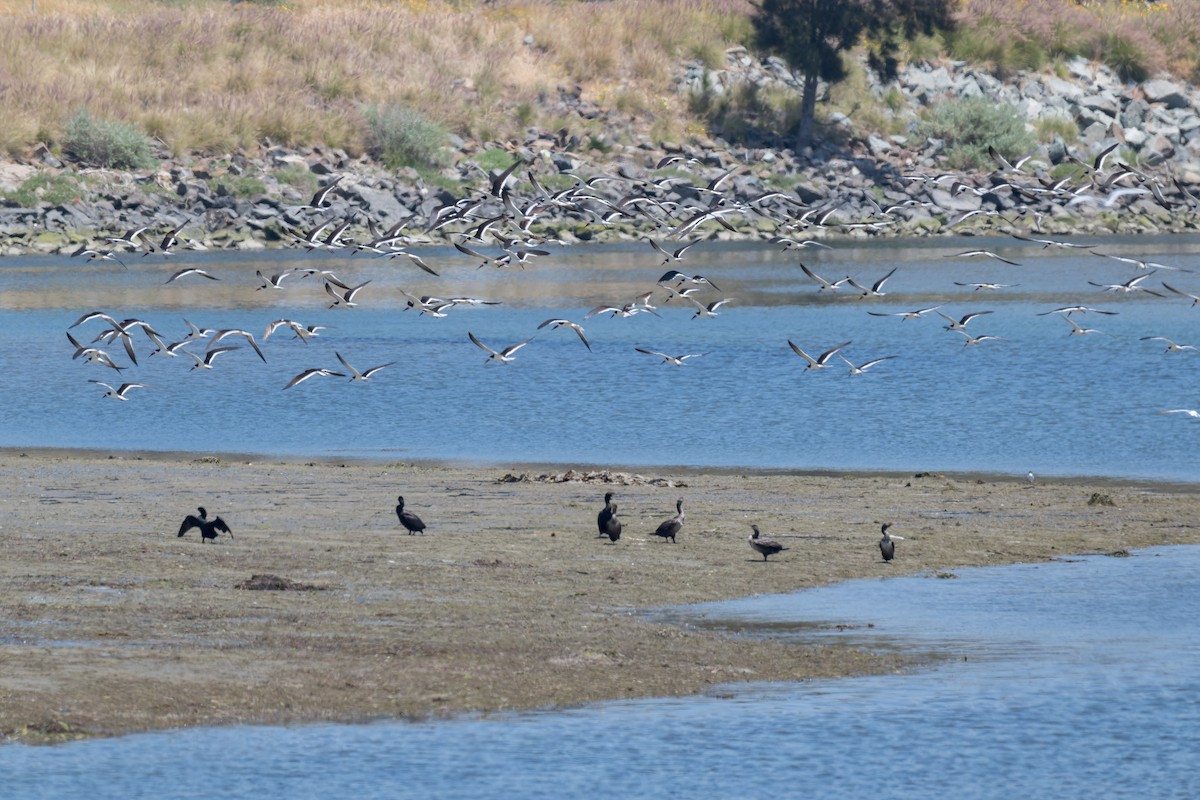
point(118, 394)
point(862, 368)
point(959, 324)
point(983, 253)
point(566, 323)
point(345, 297)
point(667, 359)
point(1172, 347)
point(503, 356)
point(249, 337)
point(355, 375)
point(190, 270)
point(321, 198)
point(920, 312)
point(824, 284)
point(207, 361)
point(984, 287)
point(820, 361)
point(669, 255)
point(312, 373)
point(876, 289)
point(1194, 298)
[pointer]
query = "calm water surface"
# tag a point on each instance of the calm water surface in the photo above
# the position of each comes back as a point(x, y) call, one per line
point(1076, 679)
point(1042, 400)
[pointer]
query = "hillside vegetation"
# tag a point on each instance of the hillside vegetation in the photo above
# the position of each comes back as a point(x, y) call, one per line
point(393, 78)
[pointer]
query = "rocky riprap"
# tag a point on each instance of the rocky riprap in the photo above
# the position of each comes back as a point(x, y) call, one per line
point(1158, 120)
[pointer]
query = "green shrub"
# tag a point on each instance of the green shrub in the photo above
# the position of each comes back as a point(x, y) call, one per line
point(105, 143)
point(969, 126)
point(1124, 55)
point(299, 177)
point(240, 186)
point(55, 190)
point(1056, 124)
point(494, 159)
point(403, 137)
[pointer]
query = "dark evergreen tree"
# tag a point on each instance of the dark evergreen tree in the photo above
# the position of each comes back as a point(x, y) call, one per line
point(811, 36)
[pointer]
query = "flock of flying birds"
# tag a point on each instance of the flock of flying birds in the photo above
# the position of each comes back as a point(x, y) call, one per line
point(499, 226)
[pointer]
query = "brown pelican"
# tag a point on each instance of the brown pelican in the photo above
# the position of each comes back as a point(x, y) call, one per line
point(208, 527)
point(670, 527)
point(887, 545)
point(768, 547)
point(408, 519)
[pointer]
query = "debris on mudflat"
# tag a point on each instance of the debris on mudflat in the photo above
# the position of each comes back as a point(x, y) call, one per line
point(274, 583)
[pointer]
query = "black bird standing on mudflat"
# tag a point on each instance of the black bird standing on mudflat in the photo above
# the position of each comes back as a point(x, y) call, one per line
point(768, 547)
point(408, 519)
point(887, 545)
point(209, 528)
point(670, 527)
point(605, 515)
point(612, 525)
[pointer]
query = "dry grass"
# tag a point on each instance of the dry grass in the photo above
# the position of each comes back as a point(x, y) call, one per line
point(209, 76)
point(1137, 39)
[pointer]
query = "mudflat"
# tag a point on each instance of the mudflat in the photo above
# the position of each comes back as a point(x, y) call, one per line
point(111, 623)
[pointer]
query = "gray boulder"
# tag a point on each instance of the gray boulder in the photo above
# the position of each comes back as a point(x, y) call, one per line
point(1165, 92)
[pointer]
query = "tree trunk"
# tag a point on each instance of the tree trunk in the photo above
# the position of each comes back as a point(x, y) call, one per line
point(808, 108)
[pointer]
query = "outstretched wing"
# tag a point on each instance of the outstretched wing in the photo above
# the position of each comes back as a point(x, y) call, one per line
point(189, 522)
point(219, 524)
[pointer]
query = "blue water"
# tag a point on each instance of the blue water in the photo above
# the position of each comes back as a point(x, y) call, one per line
point(1075, 679)
point(1043, 400)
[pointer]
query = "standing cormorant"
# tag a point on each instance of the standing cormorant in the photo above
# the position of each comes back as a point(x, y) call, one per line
point(768, 547)
point(670, 527)
point(605, 515)
point(408, 519)
point(887, 545)
point(612, 525)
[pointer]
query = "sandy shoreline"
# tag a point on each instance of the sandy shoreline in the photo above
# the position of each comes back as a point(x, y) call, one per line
point(112, 624)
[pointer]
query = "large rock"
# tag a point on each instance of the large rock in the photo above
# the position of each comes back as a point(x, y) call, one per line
point(1104, 102)
point(1166, 92)
point(380, 204)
